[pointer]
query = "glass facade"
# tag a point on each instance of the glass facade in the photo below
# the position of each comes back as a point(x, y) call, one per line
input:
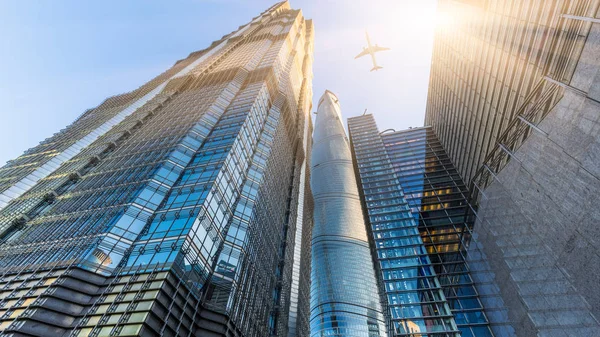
point(415, 302)
point(152, 214)
point(420, 222)
point(498, 67)
point(437, 198)
point(344, 292)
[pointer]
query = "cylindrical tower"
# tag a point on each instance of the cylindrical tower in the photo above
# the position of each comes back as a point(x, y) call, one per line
point(344, 293)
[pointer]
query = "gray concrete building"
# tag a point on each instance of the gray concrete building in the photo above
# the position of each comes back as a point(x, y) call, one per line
point(539, 222)
point(515, 98)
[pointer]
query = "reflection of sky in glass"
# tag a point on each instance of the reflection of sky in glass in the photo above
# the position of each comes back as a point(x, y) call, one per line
point(416, 302)
point(434, 192)
point(413, 166)
point(343, 278)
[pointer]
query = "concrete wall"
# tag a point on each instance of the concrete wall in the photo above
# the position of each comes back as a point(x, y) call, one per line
point(537, 237)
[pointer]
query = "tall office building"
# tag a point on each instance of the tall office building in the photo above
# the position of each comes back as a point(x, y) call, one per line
point(421, 222)
point(344, 292)
point(178, 209)
point(496, 66)
point(514, 99)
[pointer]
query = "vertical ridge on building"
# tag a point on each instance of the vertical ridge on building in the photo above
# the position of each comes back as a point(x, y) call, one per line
point(491, 63)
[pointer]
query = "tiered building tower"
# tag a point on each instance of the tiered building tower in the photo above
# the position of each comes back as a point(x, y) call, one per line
point(178, 209)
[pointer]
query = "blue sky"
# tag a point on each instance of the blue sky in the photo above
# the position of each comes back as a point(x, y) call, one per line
point(59, 58)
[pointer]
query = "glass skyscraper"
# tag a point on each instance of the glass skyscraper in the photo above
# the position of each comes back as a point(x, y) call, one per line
point(497, 67)
point(420, 221)
point(181, 208)
point(344, 292)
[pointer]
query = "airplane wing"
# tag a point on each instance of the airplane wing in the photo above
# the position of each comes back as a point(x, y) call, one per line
point(377, 48)
point(372, 49)
point(363, 53)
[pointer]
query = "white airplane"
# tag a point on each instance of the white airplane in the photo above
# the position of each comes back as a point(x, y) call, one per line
point(371, 50)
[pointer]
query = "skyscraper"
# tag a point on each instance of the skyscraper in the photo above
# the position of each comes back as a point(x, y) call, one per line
point(420, 222)
point(344, 293)
point(514, 100)
point(496, 66)
point(438, 201)
point(151, 214)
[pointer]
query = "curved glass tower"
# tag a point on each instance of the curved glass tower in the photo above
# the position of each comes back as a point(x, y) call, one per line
point(344, 293)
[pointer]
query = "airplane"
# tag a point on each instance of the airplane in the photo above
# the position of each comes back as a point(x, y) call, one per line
point(371, 50)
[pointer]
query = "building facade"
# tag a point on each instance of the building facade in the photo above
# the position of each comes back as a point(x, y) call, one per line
point(413, 295)
point(151, 214)
point(493, 63)
point(421, 225)
point(514, 99)
point(344, 291)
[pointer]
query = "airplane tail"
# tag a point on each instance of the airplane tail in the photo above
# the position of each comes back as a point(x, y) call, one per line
point(375, 68)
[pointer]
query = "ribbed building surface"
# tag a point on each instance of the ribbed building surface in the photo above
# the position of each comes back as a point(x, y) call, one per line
point(495, 61)
point(514, 98)
point(438, 201)
point(344, 293)
point(414, 302)
point(177, 209)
